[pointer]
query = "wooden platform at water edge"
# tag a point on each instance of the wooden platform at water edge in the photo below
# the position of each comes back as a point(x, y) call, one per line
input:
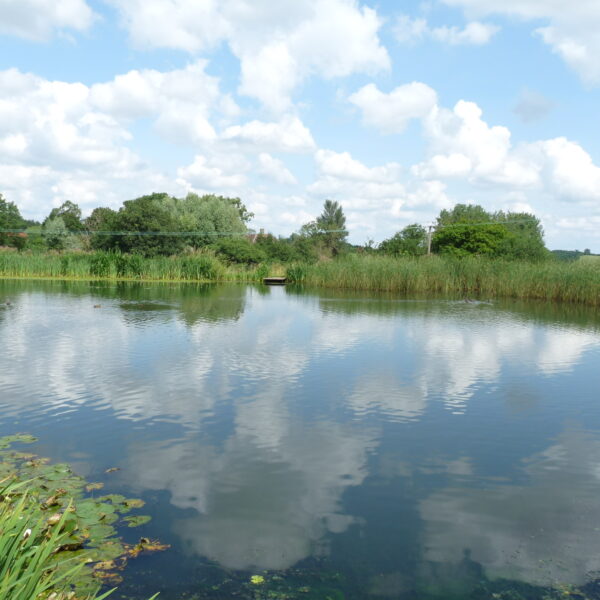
point(275, 280)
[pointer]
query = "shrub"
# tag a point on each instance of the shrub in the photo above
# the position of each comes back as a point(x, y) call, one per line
point(239, 250)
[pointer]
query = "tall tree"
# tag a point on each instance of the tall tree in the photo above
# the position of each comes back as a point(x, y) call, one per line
point(70, 214)
point(330, 226)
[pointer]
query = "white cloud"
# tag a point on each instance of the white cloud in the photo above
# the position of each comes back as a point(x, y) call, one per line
point(213, 174)
point(390, 113)
point(275, 169)
point(573, 33)
point(343, 166)
point(38, 19)
point(286, 135)
point(464, 146)
point(278, 46)
point(407, 30)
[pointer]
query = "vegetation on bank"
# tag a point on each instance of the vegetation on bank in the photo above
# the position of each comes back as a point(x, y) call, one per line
point(58, 537)
point(205, 238)
point(473, 276)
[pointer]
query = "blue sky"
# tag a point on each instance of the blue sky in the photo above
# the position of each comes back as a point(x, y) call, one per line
point(395, 109)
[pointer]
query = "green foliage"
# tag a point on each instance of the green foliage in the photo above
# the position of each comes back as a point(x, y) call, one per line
point(328, 232)
point(54, 537)
point(128, 265)
point(277, 249)
point(201, 267)
point(470, 229)
point(464, 240)
point(239, 250)
point(10, 218)
point(410, 241)
point(70, 213)
point(55, 233)
point(148, 214)
point(101, 263)
point(210, 216)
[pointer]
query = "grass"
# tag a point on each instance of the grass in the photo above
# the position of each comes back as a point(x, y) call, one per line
point(577, 282)
point(561, 281)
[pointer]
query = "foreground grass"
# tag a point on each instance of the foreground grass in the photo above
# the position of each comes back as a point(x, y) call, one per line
point(575, 282)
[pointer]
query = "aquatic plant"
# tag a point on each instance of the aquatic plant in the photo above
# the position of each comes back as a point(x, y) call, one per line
point(57, 540)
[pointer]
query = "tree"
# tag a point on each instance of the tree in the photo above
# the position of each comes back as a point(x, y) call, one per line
point(10, 218)
point(103, 220)
point(470, 229)
point(55, 233)
point(329, 229)
point(410, 241)
point(70, 214)
point(210, 217)
point(149, 219)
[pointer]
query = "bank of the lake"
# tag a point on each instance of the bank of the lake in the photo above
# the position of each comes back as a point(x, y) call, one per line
point(552, 280)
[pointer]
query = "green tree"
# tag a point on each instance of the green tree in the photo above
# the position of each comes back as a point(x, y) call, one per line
point(329, 229)
point(470, 229)
point(150, 219)
point(103, 220)
point(70, 214)
point(10, 218)
point(55, 233)
point(210, 217)
point(410, 241)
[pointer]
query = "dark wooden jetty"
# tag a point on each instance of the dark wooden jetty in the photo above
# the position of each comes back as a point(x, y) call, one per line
point(275, 280)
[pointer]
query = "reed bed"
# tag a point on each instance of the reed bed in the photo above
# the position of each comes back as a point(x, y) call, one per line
point(204, 267)
point(576, 282)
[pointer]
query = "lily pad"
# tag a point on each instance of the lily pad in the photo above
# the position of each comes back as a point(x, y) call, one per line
point(137, 520)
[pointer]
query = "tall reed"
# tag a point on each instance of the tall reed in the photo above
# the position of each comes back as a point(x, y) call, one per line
point(577, 282)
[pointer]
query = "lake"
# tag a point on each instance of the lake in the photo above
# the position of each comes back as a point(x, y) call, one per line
point(339, 445)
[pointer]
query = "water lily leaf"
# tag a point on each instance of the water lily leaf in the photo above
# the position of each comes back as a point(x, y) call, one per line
point(112, 469)
point(134, 503)
point(90, 487)
point(112, 498)
point(137, 520)
point(22, 438)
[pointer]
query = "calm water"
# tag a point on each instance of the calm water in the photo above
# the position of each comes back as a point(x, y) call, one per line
point(374, 446)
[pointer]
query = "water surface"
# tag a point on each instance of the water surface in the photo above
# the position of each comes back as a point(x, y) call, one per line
point(375, 446)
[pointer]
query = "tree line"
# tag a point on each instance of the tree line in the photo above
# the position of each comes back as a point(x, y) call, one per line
point(160, 224)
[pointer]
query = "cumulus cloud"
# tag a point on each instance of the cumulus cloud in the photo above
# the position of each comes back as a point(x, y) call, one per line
point(573, 34)
point(390, 113)
point(407, 30)
point(463, 145)
point(211, 174)
point(278, 47)
point(275, 169)
point(38, 20)
point(288, 134)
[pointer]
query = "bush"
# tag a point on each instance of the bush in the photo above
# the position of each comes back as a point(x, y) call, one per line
point(239, 250)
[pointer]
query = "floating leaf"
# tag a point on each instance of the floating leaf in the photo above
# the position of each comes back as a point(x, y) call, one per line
point(112, 469)
point(134, 503)
point(90, 487)
point(137, 520)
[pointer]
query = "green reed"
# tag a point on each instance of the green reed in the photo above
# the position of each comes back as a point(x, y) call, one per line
point(473, 276)
point(577, 281)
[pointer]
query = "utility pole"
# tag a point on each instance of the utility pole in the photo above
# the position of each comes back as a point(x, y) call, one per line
point(429, 236)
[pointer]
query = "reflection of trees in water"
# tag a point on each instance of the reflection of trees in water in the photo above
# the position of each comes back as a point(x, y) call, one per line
point(142, 302)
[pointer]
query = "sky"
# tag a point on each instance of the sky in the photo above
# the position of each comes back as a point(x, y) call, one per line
point(396, 109)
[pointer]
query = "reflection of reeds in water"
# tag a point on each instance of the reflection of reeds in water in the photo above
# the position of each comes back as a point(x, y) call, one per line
point(577, 282)
point(557, 281)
